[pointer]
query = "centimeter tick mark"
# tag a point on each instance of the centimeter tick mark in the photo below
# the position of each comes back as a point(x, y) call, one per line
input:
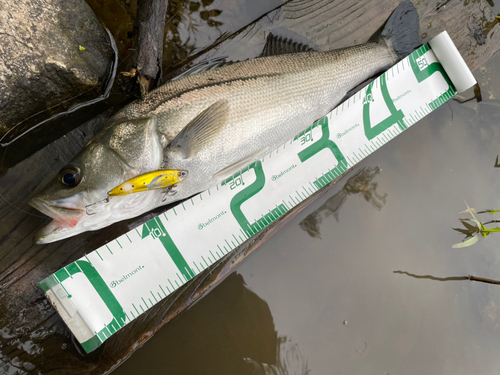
point(162, 290)
point(196, 267)
point(220, 249)
point(180, 278)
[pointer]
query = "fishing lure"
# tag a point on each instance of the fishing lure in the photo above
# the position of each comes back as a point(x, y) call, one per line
point(159, 179)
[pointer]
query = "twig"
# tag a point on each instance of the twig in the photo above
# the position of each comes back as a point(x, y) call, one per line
point(452, 278)
point(483, 280)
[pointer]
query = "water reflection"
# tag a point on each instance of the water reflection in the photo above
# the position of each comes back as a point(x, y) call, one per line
point(230, 331)
point(361, 183)
point(289, 361)
point(184, 19)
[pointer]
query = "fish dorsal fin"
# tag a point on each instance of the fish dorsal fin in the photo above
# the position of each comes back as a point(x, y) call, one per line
point(278, 45)
point(202, 129)
point(204, 67)
point(275, 45)
point(238, 166)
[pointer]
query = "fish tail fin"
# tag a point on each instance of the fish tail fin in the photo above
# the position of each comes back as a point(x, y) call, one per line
point(402, 30)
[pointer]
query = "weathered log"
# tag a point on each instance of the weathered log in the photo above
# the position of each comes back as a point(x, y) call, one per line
point(151, 20)
point(147, 63)
point(32, 336)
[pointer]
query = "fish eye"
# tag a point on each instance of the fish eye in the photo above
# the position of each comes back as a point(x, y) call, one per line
point(69, 176)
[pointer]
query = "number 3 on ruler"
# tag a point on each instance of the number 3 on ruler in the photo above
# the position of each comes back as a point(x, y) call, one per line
point(395, 117)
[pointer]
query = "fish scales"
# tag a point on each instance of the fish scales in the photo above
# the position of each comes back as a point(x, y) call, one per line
point(266, 107)
point(285, 79)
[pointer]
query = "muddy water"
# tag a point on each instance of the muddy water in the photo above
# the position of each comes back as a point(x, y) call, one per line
point(365, 281)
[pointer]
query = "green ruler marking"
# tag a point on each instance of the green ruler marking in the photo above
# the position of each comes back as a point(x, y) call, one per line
point(156, 229)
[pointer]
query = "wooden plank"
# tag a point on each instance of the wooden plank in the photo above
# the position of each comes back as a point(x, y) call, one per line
point(32, 336)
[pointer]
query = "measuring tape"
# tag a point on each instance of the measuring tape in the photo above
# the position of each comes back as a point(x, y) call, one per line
point(108, 288)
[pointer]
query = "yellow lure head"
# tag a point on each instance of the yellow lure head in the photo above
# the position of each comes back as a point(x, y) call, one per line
point(160, 179)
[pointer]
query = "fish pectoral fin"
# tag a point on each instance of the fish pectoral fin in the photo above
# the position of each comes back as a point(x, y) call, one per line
point(238, 166)
point(358, 87)
point(202, 129)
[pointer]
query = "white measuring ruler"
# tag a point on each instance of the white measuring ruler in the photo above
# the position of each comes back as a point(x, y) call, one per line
point(105, 290)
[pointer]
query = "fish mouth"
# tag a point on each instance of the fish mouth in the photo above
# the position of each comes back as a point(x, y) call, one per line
point(65, 214)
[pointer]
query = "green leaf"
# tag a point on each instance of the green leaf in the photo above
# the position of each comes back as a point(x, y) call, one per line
point(81, 48)
point(469, 242)
point(468, 233)
point(491, 230)
point(474, 218)
point(468, 226)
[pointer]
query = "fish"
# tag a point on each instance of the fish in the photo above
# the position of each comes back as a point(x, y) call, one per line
point(212, 123)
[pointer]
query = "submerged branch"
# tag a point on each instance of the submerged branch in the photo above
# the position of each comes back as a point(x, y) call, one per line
point(452, 278)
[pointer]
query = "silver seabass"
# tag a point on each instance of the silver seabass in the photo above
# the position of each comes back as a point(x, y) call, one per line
point(212, 124)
